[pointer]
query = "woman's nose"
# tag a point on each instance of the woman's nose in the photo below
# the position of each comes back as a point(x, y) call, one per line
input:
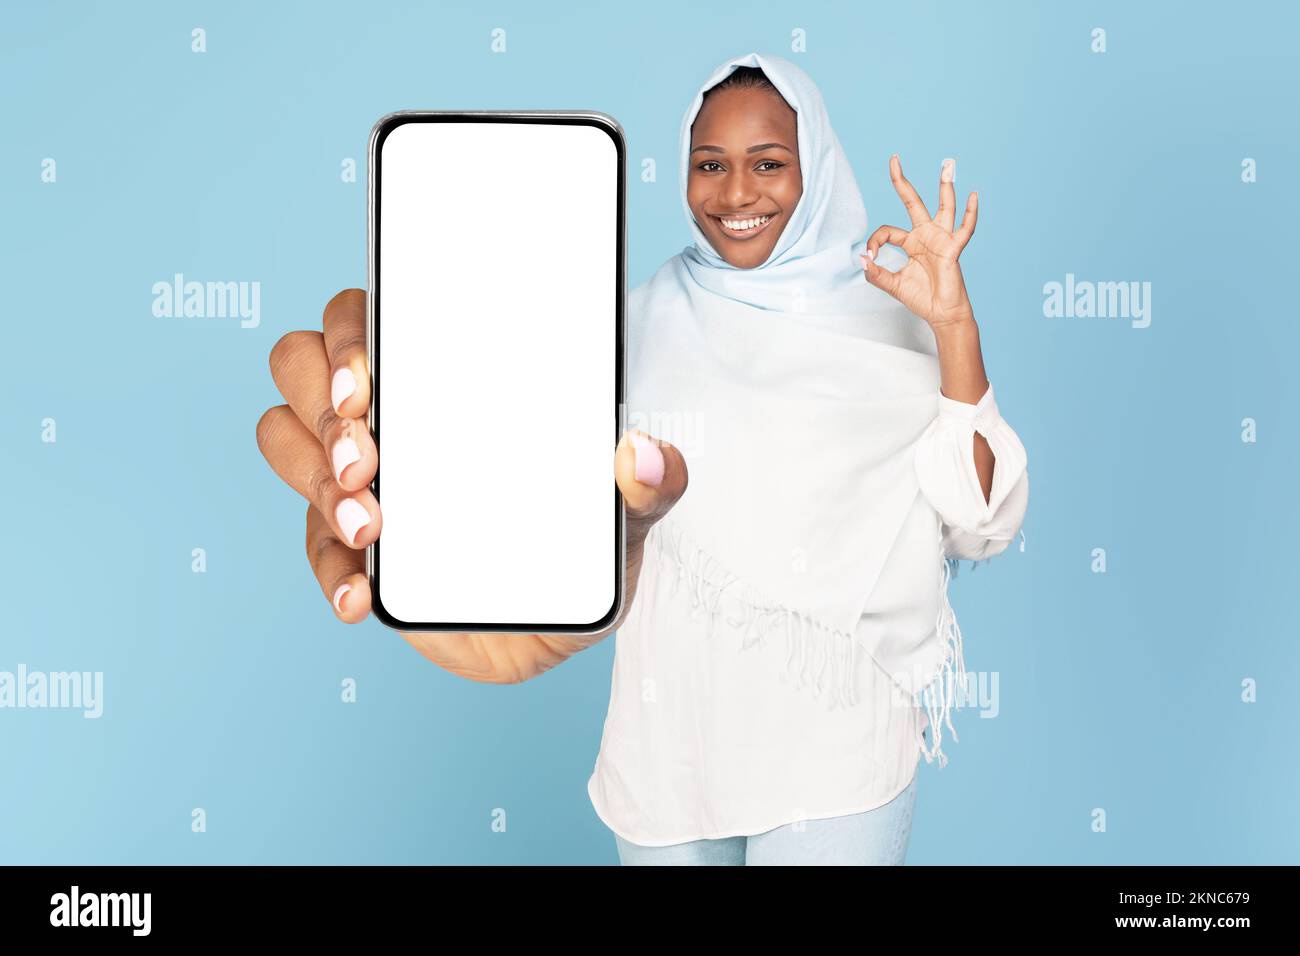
point(739, 190)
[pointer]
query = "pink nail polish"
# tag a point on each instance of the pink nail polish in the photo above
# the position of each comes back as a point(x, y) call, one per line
point(352, 516)
point(345, 453)
point(338, 596)
point(342, 386)
point(649, 460)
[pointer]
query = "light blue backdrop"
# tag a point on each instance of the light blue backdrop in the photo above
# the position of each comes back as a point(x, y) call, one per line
point(1121, 691)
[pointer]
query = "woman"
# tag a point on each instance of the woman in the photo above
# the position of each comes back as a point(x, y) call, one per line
point(788, 653)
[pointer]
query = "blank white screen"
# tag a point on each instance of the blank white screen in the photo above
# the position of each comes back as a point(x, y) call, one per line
point(497, 362)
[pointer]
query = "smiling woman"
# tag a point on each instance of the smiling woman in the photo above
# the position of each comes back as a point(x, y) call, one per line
point(745, 178)
point(791, 652)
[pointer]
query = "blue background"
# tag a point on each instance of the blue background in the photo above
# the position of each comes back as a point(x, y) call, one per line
point(1119, 690)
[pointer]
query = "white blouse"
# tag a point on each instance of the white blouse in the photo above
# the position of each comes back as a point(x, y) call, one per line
point(704, 739)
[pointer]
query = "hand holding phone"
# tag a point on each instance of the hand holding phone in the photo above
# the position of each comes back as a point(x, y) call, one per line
point(318, 442)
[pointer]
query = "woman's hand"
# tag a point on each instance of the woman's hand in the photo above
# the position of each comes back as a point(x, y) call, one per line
point(320, 445)
point(931, 284)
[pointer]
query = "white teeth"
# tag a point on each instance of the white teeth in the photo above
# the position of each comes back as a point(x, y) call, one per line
point(739, 225)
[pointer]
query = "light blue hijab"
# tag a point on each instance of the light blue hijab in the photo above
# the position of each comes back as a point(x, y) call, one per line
point(817, 251)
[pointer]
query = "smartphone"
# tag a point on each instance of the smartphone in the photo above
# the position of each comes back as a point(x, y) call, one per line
point(495, 328)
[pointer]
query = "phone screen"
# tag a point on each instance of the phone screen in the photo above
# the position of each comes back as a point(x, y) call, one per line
point(496, 344)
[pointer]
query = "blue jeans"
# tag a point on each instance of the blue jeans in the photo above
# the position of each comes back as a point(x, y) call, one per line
point(872, 838)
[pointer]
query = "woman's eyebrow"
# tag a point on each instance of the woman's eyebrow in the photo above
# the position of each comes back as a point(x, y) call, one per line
point(752, 149)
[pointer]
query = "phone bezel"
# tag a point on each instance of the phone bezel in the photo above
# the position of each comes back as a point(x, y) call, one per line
point(379, 132)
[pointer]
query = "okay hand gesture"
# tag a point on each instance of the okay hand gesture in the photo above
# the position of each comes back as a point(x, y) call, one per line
point(931, 283)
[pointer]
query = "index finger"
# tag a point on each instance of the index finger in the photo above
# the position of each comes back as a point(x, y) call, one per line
point(915, 208)
point(344, 325)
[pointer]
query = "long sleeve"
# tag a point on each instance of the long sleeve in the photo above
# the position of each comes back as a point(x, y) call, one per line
point(945, 467)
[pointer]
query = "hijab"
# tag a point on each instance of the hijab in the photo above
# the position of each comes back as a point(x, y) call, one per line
point(796, 391)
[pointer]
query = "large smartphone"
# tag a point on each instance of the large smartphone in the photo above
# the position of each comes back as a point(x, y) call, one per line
point(496, 330)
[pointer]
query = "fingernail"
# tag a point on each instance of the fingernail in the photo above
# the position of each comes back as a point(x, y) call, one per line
point(870, 255)
point(345, 453)
point(352, 517)
point(949, 171)
point(649, 460)
point(338, 596)
point(342, 387)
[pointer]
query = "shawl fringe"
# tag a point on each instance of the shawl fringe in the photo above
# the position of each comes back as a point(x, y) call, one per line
point(817, 657)
point(940, 693)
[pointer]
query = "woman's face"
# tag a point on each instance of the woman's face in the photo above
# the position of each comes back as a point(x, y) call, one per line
point(744, 166)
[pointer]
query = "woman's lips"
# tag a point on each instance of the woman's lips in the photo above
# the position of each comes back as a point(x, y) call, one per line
point(744, 233)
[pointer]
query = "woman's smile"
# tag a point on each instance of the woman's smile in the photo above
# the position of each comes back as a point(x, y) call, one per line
point(744, 227)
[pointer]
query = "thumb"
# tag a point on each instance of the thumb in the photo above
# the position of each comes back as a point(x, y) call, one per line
point(652, 476)
point(877, 275)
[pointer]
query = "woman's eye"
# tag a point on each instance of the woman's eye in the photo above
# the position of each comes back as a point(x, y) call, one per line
point(704, 166)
